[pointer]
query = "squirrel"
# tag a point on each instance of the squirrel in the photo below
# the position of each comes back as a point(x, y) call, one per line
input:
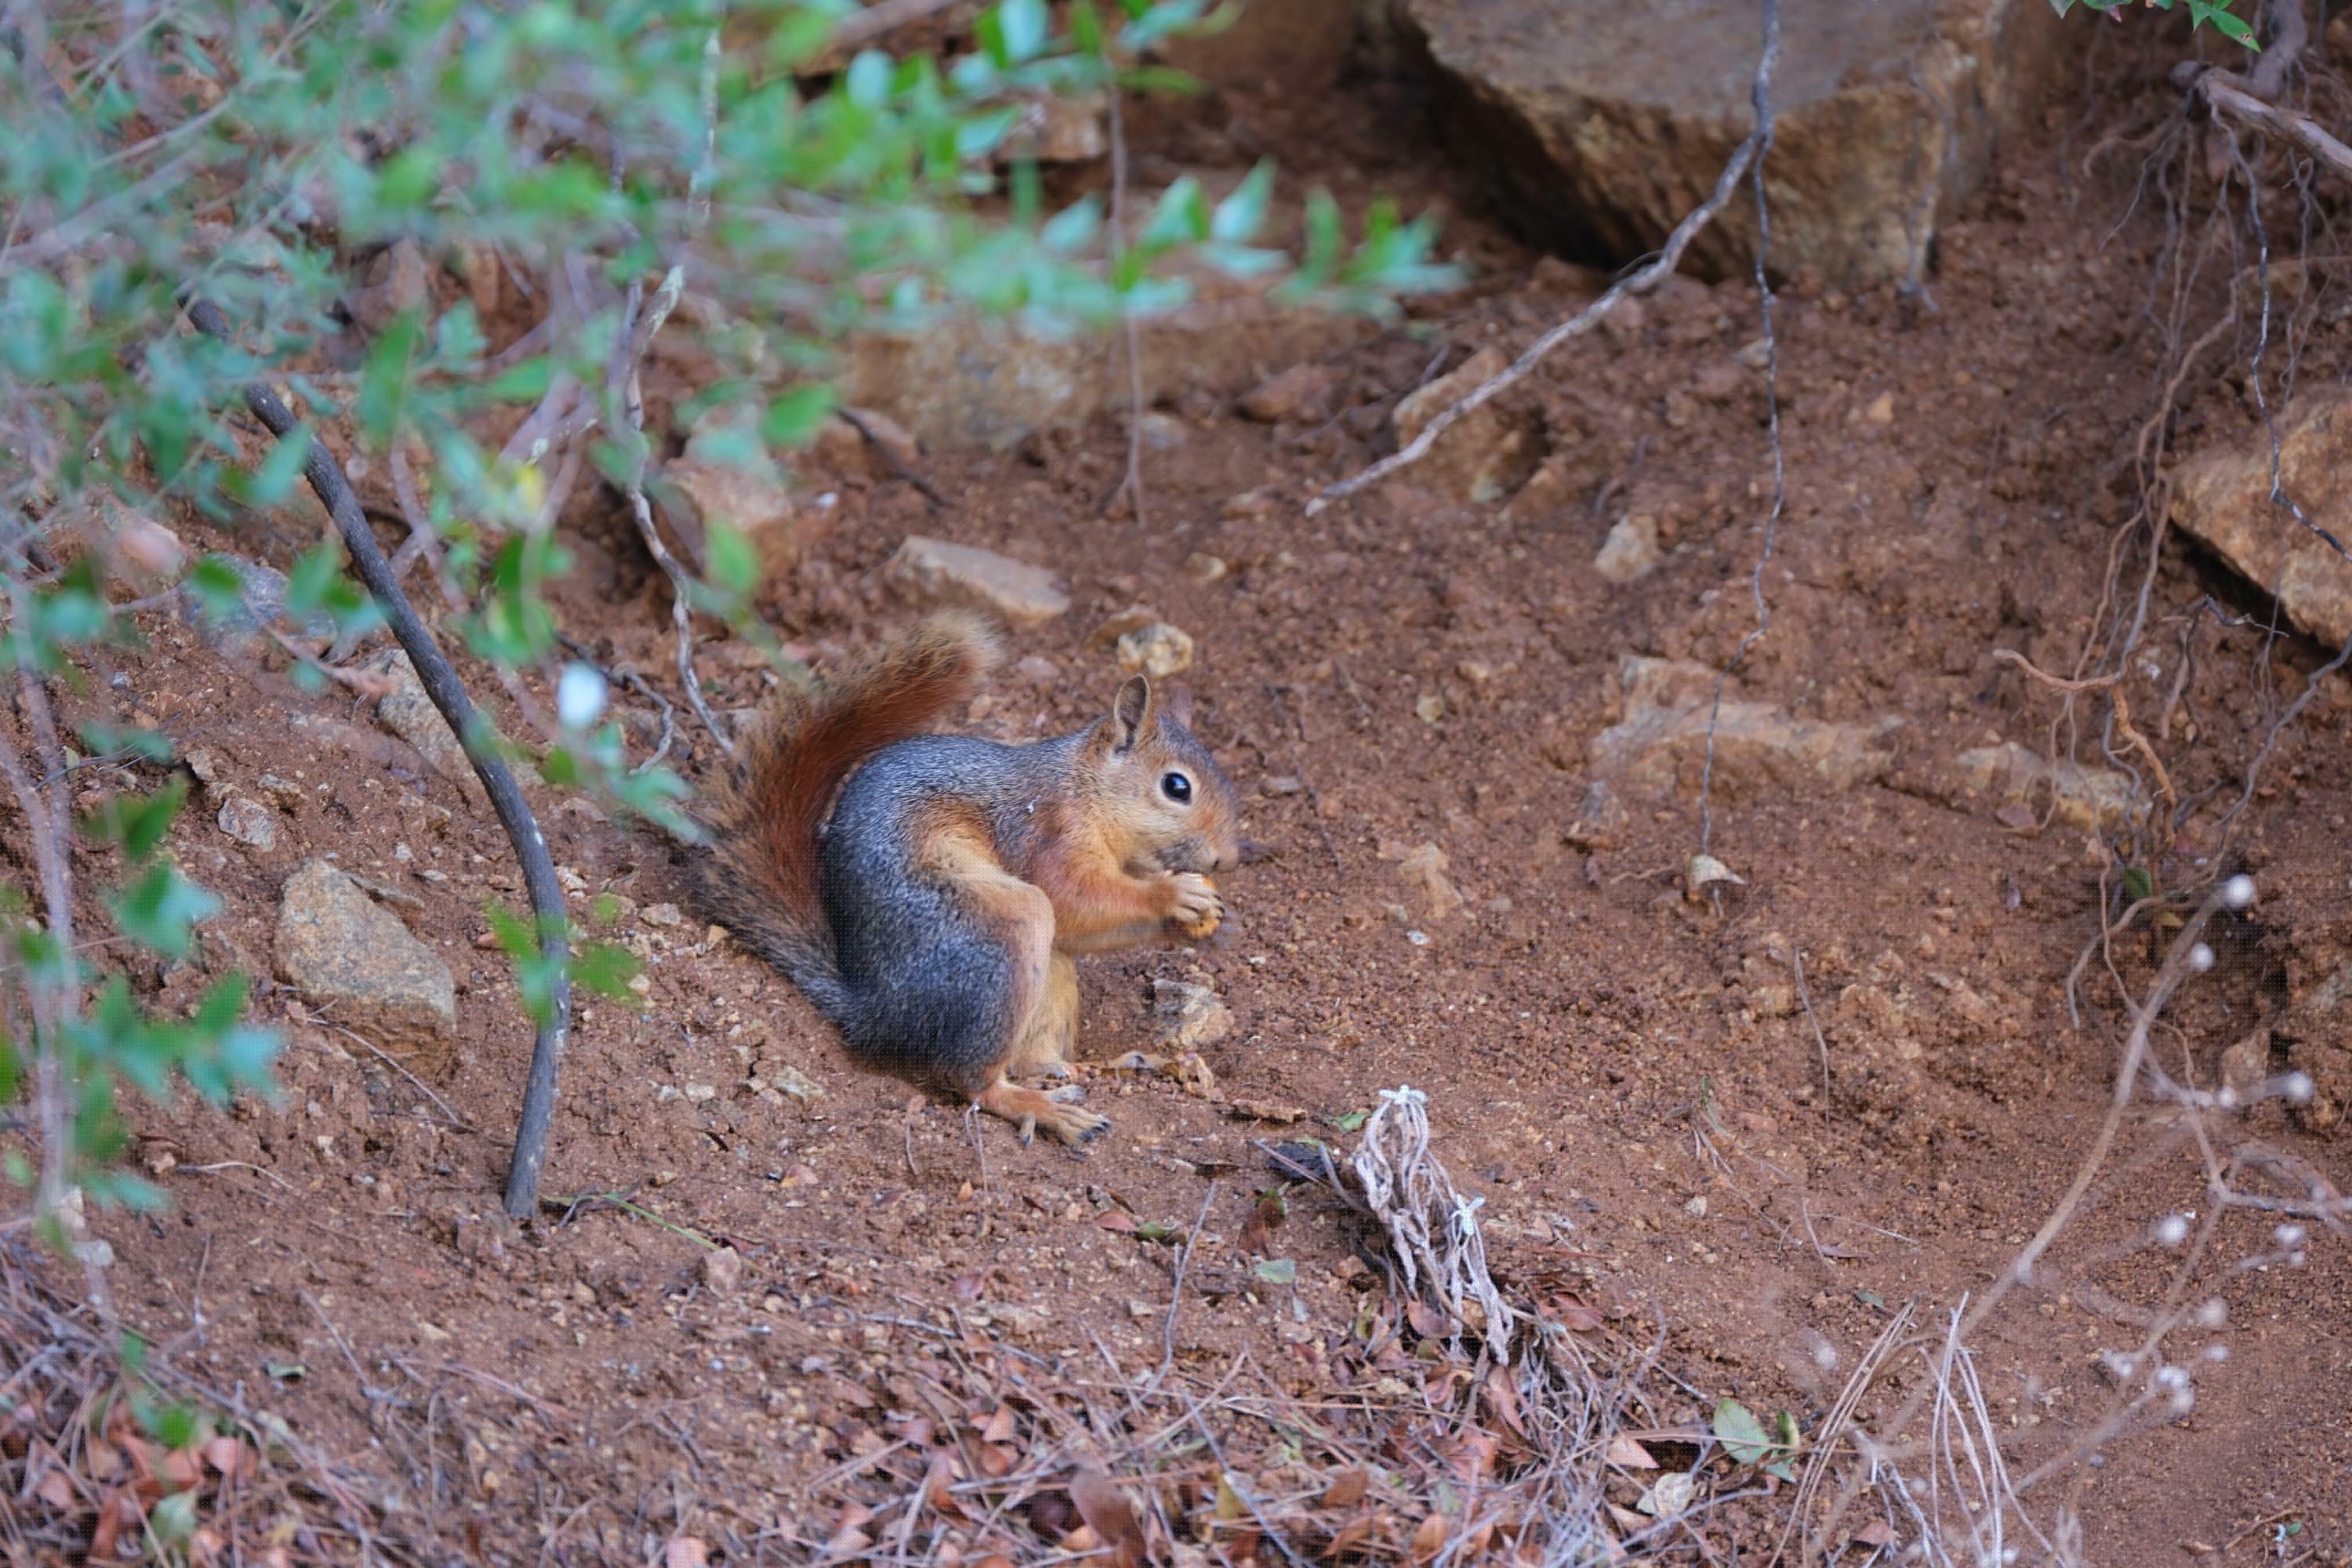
point(927, 892)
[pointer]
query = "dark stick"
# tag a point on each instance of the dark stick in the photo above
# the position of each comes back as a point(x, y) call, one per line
point(448, 694)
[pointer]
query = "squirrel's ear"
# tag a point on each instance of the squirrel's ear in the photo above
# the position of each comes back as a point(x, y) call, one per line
point(1131, 713)
point(1176, 704)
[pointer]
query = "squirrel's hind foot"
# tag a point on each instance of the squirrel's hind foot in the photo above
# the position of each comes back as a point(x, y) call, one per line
point(1031, 1110)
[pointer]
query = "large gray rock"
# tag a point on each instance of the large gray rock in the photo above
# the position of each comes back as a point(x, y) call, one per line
point(2224, 498)
point(343, 950)
point(1603, 123)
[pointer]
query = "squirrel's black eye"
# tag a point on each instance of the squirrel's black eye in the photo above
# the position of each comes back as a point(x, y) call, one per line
point(1177, 787)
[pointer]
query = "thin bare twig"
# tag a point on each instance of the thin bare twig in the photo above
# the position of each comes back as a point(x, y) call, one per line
point(640, 338)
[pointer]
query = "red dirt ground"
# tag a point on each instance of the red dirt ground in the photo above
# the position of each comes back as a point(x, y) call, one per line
point(1611, 1067)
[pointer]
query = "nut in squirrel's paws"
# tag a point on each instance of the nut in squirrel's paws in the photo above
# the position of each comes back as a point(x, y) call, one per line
point(1199, 910)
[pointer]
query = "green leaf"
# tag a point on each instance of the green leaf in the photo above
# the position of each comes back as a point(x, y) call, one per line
point(1240, 215)
point(137, 822)
point(173, 1519)
point(734, 559)
point(1181, 216)
point(604, 969)
point(2138, 884)
point(1353, 1121)
point(218, 587)
point(1022, 24)
point(407, 178)
point(792, 420)
point(1741, 1435)
point(1276, 1270)
point(525, 383)
point(129, 740)
point(276, 479)
point(161, 909)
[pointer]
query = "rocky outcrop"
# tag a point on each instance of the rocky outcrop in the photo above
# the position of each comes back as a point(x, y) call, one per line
point(1603, 125)
point(2223, 499)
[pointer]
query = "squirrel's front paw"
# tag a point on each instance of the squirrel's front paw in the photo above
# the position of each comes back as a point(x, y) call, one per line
point(1198, 911)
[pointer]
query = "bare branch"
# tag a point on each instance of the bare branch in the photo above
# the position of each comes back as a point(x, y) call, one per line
point(448, 695)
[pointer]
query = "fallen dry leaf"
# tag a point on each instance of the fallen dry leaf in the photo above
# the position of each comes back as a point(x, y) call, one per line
point(1117, 1220)
point(686, 1552)
point(998, 1427)
point(1626, 1454)
point(1107, 1512)
point(1266, 1111)
point(1429, 1539)
point(1347, 1489)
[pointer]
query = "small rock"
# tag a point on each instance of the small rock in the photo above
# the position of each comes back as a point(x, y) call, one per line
point(394, 281)
point(2017, 776)
point(939, 572)
point(1630, 551)
point(1205, 568)
point(2223, 498)
point(1483, 455)
point(408, 713)
point(1188, 1015)
point(204, 762)
point(727, 475)
point(341, 949)
point(1880, 410)
point(722, 1271)
point(1600, 817)
point(1038, 670)
point(1424, 871)
point(285, 793)
point(1661, 745)
point(249, 821)
point(1055, 128)
point(1429, 708)
point(786, 1078)
point(1304, 391)
point(663, 915)
point(1134, 618)
point(1280, 784)
point(1162, 432)
point(1158, 650)
point(1696, 1207)
point(2246, 1066)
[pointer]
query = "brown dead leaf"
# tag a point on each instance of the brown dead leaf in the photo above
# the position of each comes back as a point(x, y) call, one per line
point(1107, 1512)
point(1347, 1489)
point(1116, 1220)
point(1877, 1532)
point(109, 1528)
point(224, 1454)
point(998, 1427)
point(1429, 1539)
point(1265, 1218)
point(1473, 1453)
point(1627, 1520)
point(1427, 1321)
point(686, 1552)
point(994, 1560)
point(1352, 1536)
point(1628, 1454)
point(1502, 1400)
point(2017, 818)
point(998, 1460)
point(57, 1489)
point(1576, 1317)
point(938, 1486)
point(183, 1471)
point(103, 1458)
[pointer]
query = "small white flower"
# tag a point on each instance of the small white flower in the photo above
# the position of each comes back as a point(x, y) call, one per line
point(2238, 892)
point(2288, 1236)
point(2171, 1230)
point(579, 695)
point(2201, 958)
point(2296, 1087)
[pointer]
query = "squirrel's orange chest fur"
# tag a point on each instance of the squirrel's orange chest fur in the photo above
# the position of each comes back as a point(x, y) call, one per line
point(1097, 902)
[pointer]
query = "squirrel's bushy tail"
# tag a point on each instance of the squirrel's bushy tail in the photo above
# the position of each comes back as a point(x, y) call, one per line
point(758, 878)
